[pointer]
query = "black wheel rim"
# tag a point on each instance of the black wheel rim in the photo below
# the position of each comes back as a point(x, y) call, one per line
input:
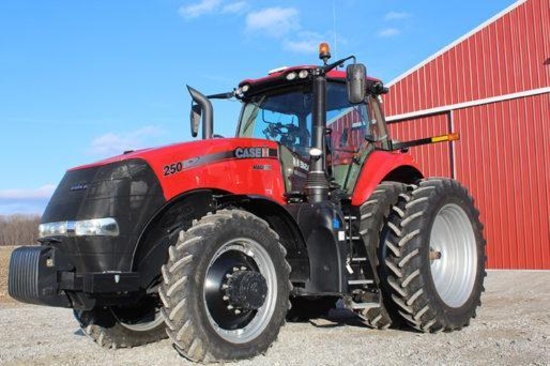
point(238, 324)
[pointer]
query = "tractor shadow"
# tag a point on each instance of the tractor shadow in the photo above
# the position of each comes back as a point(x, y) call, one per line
point(342, 317)
point(338, 318)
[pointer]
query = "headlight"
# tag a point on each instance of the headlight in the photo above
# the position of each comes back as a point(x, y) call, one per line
point(239, 92)
point(93, 227)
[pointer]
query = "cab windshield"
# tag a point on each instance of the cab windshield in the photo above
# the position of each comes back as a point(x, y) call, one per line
point(285, 116)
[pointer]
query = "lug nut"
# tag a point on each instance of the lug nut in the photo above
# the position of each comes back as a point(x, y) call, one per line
point(237, 311)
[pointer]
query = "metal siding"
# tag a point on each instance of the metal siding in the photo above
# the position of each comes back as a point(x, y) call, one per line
point(504, 160)
point(434, 158)
point(504, 153)
point(507, 56)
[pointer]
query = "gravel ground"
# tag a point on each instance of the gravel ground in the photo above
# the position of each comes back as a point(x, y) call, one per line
point(512, 328)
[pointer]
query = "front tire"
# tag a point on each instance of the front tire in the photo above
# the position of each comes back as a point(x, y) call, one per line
point(437, 256)
point(124, 327)
point(226, 288)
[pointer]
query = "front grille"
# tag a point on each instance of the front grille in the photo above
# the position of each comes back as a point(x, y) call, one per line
point(127, 191)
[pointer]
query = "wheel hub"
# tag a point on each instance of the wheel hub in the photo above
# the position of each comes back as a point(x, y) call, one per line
point(434, 255)
point(246, 290)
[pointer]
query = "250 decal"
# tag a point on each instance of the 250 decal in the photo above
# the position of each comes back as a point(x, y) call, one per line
point(173, 168)
point(179, 166)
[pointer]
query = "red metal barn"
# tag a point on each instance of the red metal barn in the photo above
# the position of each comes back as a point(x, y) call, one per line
point(493, 86)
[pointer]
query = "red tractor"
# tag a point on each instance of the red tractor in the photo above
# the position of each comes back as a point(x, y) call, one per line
point(215, 242)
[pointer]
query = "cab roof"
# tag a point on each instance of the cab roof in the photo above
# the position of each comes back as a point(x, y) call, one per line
point(279, 77)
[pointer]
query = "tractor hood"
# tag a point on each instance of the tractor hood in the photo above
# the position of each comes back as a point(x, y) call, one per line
point(112, 200)
point(199, 158)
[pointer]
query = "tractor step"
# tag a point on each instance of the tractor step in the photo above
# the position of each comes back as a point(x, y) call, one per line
point(360, 282)
point(363, 305)
point(367, 301)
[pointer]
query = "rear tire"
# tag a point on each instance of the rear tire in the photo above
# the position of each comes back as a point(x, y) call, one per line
point(212, 280)
point(123, 327)
point(437, 256)
point(374, 215)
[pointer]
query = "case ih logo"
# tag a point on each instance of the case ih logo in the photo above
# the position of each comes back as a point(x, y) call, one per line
point(79, 186)
point(251, 152)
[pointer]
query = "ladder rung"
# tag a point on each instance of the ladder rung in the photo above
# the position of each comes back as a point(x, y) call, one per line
point(360, 282)
point(364, 305)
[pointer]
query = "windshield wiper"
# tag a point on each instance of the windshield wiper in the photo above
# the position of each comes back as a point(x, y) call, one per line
point(253, 113)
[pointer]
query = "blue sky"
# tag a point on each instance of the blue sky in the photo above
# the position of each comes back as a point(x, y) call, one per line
point(83, 80)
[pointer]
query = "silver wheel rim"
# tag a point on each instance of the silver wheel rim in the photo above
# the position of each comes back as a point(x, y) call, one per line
point(453, 240)
point(257, 253)
point(145, 326)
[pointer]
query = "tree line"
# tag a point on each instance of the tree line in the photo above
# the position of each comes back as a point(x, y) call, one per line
point(19, 229)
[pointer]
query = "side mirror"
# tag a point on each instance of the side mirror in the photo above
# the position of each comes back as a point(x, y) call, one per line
point(356, 82)
point(195, 117)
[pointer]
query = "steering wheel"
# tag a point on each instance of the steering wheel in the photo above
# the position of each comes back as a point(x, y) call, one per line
point(288, 134)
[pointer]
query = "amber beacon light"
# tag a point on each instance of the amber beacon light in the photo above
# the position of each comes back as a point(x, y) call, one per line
point(324, 52)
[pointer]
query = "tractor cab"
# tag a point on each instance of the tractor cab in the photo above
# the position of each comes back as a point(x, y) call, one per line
point(280, 107)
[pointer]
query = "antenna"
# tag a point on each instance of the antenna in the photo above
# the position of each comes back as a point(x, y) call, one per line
point(334, 29)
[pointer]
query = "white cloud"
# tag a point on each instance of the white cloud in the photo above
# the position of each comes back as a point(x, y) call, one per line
point(198, 9)
point(394, 15)
point(112, 143)
point(306, 42)
point(235, 8)
point(43, 192)
point(275, 22)
point(388, 32)
point(25, 201)
point(27, 207)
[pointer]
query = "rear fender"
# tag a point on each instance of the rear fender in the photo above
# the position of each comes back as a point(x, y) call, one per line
point(384, 166)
